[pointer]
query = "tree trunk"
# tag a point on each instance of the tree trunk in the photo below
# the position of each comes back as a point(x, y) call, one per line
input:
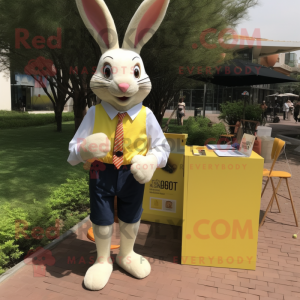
point(79, 108)
point(58, 119)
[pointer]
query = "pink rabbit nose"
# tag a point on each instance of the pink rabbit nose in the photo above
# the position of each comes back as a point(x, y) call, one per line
point(124, 87)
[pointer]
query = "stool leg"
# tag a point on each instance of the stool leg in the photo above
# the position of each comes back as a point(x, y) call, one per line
point(276, 192)
point(294, 211)
point(270, 203)
point(265, 186)
point(263, 219)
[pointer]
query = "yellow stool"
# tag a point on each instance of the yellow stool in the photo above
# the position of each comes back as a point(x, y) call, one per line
point(270, 174)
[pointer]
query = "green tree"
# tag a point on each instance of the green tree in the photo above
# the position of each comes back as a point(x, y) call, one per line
point(25, 29)
point(290, 87)
point(174, 52)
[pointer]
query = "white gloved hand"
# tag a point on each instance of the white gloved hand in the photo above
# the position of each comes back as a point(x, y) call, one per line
point(94, 146)
point(143, 167)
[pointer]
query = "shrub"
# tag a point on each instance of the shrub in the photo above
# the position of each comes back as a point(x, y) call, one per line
point(69, 203)
point(11, 119)
point(231, 112)
point(199, 131)
point(9, 246)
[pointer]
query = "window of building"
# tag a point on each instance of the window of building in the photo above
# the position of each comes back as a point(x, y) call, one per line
point(291, 59)
point(245, 54)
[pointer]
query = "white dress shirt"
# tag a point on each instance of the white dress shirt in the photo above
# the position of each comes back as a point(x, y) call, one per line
point(157, 143)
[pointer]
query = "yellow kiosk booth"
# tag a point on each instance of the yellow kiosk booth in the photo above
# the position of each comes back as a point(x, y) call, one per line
point(221, 210)
point(215, 199)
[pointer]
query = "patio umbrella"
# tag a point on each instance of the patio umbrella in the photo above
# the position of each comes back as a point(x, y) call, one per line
point(291, 95)
point(242, 73)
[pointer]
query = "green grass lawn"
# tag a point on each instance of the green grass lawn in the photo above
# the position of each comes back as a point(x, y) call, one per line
point(34, 160)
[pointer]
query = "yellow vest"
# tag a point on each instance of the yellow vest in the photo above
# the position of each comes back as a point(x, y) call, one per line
point(135, 134)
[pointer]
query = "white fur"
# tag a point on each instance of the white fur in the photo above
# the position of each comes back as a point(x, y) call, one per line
point(122, 63)
point(98, 274)
point(131, 32)
point(113, 39)
point(143, 167)
point(95, 146)
point(133, 263)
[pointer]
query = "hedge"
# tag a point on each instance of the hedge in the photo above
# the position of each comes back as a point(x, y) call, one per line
point(12, 119)
point(201, 131)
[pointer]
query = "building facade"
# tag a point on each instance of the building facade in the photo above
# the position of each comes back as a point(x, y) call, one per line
point(273, 54)
point(5, 102)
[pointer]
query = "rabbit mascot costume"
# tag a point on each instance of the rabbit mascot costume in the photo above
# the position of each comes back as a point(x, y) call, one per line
point(121, 134)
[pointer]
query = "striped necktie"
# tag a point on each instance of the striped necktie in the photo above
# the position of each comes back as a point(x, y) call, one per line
point(118, 146)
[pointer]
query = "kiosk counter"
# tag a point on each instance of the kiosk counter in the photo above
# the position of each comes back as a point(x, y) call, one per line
point(221, 209)
point(163, 195)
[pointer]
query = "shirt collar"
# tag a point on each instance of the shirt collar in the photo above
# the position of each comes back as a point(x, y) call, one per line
point(112, 112)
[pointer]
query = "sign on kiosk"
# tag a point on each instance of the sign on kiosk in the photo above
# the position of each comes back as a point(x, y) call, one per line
point(163, 196)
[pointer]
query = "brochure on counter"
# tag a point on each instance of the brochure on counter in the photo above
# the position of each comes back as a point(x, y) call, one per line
point(220, 147)
point(229, 153)
point(245, 149)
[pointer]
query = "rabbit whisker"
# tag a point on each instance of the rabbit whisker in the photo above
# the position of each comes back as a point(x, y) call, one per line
point(99, 84)
point(143, 79)
point(99, 87)
point(97, 76)
point(96, 88)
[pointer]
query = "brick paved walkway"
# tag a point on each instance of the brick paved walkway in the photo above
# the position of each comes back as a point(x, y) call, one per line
point(277, 275)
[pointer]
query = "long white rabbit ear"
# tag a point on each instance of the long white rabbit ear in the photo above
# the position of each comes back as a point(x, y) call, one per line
point(98, 20)
point(144, 24)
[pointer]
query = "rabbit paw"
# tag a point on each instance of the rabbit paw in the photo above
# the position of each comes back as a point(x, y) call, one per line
point(95, 146)
point(143, 168)
point(134, 264)
point(97, 276)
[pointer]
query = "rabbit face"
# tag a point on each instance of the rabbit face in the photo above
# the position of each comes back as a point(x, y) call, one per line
point(121, 79)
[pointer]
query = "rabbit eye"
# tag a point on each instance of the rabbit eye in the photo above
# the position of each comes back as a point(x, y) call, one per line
point(136, 71)
point(107, 71)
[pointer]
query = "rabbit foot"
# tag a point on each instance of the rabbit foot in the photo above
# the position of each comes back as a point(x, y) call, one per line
point(97, 276)
point(134, 264)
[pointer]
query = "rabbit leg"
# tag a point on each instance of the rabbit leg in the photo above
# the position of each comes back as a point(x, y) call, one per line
point(98, 274)
point(127, 259)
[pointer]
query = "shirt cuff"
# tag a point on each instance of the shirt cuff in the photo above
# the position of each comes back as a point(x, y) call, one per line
point(161, 156)
point(74, 157)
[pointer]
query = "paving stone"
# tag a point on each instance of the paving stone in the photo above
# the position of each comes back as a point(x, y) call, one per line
point(277, 274)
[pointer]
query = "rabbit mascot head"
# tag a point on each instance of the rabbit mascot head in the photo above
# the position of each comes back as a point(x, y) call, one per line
point(120, 78)
point(121, 82)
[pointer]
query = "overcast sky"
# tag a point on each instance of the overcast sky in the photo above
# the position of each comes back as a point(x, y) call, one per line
point(276, 19)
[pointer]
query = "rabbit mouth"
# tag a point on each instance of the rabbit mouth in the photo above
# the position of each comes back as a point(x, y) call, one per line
point(123, 98)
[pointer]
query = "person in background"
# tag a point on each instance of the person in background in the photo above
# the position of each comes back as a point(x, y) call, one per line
point(291, 109)
point(181, 111)
point(24, 106)
point(264, 107)
point(297, 111)
point(285, 109)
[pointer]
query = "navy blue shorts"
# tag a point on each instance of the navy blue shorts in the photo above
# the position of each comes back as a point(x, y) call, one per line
point(106, 182)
